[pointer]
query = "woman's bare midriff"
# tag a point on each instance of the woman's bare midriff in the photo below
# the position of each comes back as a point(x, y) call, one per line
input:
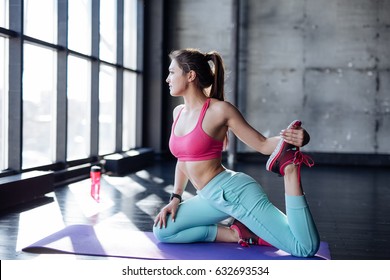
point(201, 172)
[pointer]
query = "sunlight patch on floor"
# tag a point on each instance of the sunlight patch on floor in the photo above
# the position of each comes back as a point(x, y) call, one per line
point(87, 204)
point(125, 185)
point(143, 174)
point(36, 223)
point(150, 205)
point(118, 220)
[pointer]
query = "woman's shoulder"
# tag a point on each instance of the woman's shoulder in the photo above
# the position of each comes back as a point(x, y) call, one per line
point(225, 110)
point(221, 106)
point(177, 109)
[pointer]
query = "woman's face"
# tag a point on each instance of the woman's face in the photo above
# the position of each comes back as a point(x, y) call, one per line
point(176, 79)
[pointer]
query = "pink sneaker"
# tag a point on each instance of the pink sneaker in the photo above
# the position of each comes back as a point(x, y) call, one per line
point(247, 237)
point(286, 154)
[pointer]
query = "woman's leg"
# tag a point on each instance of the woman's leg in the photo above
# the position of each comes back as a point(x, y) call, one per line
point(240, 196)
point(292, 186)
point(196, 221)
point(244, 199)
point(298, 213)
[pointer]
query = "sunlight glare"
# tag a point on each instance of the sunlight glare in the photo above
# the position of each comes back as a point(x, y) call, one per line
point(88, 205)
point(50, 218)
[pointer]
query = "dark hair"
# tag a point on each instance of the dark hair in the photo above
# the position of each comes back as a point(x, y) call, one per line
point(193, 59)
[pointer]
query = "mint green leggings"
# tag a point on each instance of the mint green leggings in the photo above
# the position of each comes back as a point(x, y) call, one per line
point(235, 194)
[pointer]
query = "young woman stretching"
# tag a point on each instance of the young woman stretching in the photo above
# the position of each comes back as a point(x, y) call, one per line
point(197, 139)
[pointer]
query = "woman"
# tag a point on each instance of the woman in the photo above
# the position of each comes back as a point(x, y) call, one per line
point(198, 137)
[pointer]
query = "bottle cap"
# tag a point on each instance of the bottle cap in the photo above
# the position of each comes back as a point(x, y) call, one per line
point(95, 168)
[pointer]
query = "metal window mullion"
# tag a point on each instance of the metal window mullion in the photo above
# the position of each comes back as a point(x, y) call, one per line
point(119, 78)
point(140, 67)
point(15, 102)
point(95, 36)
point(62, 72)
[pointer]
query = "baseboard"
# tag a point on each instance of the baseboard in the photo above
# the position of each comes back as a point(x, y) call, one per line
point(127, 162)
point(24, 187)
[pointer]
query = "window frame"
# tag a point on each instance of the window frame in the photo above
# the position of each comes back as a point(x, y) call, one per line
point(17, 38)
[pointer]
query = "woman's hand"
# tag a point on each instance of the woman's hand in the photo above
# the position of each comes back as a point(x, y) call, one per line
point(296, 136)
point(170, 208)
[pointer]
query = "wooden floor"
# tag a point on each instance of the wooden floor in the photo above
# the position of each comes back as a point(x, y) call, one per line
point(350, 206)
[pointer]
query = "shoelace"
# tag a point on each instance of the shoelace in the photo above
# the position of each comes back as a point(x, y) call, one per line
point(248, 242)
point(245, 242)
point(300, 158)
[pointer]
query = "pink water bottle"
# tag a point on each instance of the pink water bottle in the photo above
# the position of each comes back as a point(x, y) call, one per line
point(95, 182)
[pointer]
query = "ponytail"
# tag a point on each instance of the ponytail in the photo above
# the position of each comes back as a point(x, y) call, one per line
point(217, 87)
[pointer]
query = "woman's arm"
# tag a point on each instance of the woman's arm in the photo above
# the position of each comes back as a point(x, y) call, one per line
point(180, 182)
point(254, 139)
point(179, 186)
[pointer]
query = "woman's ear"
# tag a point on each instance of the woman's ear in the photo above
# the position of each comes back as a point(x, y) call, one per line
point(191, 75)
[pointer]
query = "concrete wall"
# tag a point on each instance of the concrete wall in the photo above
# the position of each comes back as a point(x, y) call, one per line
point(326, 62)
point(203, 24)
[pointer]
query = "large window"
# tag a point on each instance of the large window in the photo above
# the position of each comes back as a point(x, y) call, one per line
point(39, 93)
point(79, 111)
point(3, 86)
point(107, 112)
point(129, 78)
point(40, 19)
point(130, 34)
point(108, 28)
point(3, 104)
point(69, 69)
point(4, 13)
point(79, 25)
point(129, 110)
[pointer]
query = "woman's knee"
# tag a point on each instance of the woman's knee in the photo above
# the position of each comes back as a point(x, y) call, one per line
point(161, 234)
point(307, 251)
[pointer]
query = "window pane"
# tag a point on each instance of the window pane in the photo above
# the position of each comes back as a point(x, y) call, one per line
point(3, 103)
point(130, 34)
point(39, 91)
point(107, 112)
point(79, 96)
point(79, 19)
point(108, 30)
point(40, 19)
point(4, 13)
point(129, 110)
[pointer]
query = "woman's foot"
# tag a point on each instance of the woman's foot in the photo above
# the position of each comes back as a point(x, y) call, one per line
point(246, 236)
point(282, 150)
point(286, 154)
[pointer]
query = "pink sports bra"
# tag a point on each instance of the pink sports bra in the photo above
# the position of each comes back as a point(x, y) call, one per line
point(197, 144)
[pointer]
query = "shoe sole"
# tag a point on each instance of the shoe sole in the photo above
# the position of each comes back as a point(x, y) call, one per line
point(279, 148)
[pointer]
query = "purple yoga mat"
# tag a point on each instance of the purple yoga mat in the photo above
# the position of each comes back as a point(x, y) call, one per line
point(114, 242)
